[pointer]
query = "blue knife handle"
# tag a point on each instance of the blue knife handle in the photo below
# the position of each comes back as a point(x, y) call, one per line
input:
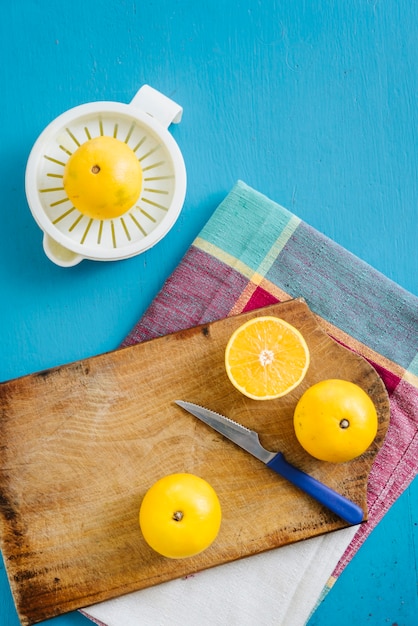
point(344, 508)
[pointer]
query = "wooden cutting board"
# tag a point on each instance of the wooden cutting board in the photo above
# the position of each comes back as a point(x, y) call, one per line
point(81, 444)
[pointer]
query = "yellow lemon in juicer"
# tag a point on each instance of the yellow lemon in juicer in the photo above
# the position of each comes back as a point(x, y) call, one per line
point(103, 178)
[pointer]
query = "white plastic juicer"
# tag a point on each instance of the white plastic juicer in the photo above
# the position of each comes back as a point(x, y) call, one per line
point(70, 236)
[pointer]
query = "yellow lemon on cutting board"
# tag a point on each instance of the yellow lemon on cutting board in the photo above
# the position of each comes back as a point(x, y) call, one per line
point(103, 178)
point(180, 515)
point(335, 420)
point(266, 358)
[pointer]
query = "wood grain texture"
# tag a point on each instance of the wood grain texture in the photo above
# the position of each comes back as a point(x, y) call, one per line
point(81, 444)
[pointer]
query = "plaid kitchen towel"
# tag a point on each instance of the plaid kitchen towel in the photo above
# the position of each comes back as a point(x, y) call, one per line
point(251, 253)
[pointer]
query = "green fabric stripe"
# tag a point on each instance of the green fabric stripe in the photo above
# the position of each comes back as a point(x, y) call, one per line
point(259, 226)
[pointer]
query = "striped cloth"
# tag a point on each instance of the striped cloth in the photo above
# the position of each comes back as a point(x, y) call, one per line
point(251, 253)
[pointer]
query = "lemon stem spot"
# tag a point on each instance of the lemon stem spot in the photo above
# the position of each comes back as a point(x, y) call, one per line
point(266, 357)
point(178, 516)
point(344, 423)
point(95, 169)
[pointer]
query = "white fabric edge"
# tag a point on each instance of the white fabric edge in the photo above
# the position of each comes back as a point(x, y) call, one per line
point(282, 586)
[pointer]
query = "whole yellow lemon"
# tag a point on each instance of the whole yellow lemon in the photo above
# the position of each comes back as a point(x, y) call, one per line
point(103, 178)
point(335, 420)
point(180, 515)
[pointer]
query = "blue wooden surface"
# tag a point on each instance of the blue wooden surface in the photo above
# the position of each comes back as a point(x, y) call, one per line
point(314, 104)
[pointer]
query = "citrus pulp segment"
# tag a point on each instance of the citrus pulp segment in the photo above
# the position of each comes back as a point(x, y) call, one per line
point(266, 358)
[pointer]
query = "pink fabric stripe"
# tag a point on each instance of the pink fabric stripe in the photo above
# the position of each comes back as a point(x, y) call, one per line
point(91, 618)
point(200, 290)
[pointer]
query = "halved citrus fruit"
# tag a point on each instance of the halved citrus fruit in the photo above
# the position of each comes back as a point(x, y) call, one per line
point(103, 178)
point(335, 420)
point(266, 358)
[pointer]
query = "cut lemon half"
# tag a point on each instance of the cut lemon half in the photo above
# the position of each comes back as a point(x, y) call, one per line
point(266, 358)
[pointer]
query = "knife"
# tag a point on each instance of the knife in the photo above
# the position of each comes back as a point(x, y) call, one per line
point(249, 441)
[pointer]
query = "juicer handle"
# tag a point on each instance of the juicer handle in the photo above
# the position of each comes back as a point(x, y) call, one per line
point(157, 105)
